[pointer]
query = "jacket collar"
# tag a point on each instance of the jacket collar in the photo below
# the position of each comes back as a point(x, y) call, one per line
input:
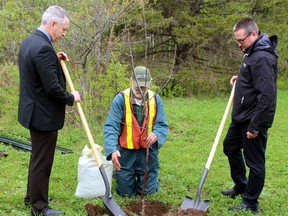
point(40, 33)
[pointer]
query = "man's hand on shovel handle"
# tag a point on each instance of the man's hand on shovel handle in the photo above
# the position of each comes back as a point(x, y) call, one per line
point(62, 56)
point(77, 97)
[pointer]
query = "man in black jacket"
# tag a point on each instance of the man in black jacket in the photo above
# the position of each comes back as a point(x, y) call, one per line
point(42, 102)
point(252, 114)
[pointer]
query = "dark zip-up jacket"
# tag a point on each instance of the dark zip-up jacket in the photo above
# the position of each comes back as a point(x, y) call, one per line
point(255, 93)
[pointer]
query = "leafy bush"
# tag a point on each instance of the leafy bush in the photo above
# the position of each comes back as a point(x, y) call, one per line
point(187, 83)
point(9, 88)
point(102, 89)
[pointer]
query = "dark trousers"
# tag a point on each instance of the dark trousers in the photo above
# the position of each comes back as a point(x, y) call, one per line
point(254, 155)
point(41, 161)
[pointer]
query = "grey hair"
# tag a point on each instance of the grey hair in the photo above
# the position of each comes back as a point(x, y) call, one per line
point(247, 24)
point(54, 13)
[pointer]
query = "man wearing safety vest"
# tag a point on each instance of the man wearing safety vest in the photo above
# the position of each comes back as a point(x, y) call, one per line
point(136, 126)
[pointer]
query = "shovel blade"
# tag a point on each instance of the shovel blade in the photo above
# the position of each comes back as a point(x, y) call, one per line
point(113, 208)
point(189, 203)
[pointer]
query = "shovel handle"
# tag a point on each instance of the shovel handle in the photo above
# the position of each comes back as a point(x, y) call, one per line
point(82, 117)
point(218, 135)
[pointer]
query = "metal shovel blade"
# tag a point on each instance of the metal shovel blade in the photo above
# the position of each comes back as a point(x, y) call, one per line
point(113, 208)
point(110, 204)
point(189, 203)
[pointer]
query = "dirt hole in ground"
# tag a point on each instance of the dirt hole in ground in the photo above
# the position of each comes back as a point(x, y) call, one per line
point(150, 208)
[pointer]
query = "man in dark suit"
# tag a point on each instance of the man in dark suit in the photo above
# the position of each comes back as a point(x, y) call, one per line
point(42, 102)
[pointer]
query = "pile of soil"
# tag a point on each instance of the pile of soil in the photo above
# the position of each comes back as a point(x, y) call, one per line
point(150, 208)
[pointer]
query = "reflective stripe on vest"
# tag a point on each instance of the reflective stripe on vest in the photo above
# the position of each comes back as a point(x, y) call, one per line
point(133, 136)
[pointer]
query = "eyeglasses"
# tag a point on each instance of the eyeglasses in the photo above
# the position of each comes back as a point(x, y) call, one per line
point(241, 41)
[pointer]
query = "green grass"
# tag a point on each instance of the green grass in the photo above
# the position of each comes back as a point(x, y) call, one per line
point(193, 127)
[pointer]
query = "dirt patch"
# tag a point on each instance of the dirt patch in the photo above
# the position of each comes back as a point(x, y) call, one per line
point(150, 208)
point(94, 210)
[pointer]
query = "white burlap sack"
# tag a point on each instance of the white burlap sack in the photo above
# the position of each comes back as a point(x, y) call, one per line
point(90, 181)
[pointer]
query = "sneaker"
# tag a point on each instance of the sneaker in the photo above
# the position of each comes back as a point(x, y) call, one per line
point(48, 211)
point(231, 193)
point(244, 207)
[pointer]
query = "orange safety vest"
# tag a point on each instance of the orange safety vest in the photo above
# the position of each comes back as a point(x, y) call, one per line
point(133, 136)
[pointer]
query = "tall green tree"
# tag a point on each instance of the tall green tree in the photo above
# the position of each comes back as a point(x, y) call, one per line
point(188, 45)
point(199, 33)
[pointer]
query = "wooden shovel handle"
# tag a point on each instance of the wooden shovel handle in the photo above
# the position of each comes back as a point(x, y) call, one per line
point(218, 135)
point(82, 117)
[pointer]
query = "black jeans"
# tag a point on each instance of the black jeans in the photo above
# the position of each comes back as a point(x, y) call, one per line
point(238, 148)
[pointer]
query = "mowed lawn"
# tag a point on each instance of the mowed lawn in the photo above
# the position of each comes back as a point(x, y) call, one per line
point(193, 127)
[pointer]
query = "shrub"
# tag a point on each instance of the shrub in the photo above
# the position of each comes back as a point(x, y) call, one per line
point(9, 89)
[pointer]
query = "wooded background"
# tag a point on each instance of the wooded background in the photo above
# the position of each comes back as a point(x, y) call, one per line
point(187, 44)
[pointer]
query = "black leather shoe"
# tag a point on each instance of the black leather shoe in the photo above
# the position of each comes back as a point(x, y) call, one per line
point(244, 207)
point(231, 193)
point(27, 201)
point(48, 211)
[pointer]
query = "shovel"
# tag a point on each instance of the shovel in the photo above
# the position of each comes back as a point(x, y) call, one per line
point(110, 204)
point(197, 204)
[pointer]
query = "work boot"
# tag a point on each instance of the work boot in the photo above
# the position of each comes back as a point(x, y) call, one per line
point(244, 207)
point(232, 193)
point(48, 211)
